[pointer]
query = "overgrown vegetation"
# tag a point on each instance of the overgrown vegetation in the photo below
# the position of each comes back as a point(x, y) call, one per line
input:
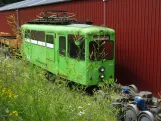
point(25, 95)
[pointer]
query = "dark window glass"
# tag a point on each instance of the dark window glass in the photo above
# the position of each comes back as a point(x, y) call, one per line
point(27, 34)
point(50, 39)
point(76, 47)
point(109, 50)
point(101, 50)
point(41, 36)
point(62, 45)
point(34, 35)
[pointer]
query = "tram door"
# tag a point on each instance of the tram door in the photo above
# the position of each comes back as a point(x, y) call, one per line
point(50, 53)
point(61, 58)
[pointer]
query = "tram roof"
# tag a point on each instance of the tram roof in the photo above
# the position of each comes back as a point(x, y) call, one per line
point(83, 28)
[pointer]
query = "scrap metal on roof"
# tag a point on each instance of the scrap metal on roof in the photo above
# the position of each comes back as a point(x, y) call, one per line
point(29, 3)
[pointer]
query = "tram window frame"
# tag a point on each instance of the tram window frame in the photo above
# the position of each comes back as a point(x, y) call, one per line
point(62, 46)
point(93, 56)
point(73, 49)
point(41, 36)
point(34, 35)
point(27, 34)
point(50, 42)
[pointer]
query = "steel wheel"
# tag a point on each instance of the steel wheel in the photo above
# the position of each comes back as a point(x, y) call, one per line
point(146, 116)
point(134, 88)
point(131, 113)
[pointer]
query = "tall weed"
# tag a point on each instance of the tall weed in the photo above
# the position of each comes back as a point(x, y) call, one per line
point(25, 95)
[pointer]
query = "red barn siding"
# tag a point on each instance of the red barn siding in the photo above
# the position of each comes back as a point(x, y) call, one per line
point(137, 25)
point(4, 26)
point(138, 30)
point(83, 9)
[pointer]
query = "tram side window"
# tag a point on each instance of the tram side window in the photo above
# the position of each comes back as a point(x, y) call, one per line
point(101, 50)
point(50, 39)
point(34, 35)
point(76, 47)
point(41, 36)
point(27, 34)
point(62, 45)
point(109, 50)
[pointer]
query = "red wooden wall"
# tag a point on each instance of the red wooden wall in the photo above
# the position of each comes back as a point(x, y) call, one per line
point(138, 30)
point(4, 26)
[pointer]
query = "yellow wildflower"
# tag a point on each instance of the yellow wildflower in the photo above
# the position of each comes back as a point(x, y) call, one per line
point(3, 90)
point(13, 113)
point(10, 93)
point(14, 96)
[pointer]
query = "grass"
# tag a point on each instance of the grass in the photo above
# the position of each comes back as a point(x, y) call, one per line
point(26, 95)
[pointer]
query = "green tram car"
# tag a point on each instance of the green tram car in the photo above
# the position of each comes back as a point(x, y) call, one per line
point(82, 53)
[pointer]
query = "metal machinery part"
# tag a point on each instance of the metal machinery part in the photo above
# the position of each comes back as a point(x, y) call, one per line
point(57, 17)
point(147, 96)
point(137, 106)
point(156, 111)
point(117, 105)
point(146, 116)
point(131, 112)
point(134, 88)
point(127, 94)
point(140, 103)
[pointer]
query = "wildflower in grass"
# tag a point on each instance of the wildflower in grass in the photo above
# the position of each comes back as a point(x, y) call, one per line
point(11, 94)
point(7, 110)
point(80, 107)
point(81, 113)
point(73, 110)
point(3, 90)
point(88, 104)
point(14, 113)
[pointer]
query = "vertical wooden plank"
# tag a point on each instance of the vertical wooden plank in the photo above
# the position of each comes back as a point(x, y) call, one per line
point(153, 48)
point(142, 40)
point(158, 24)
point(146, 25)
point(131, 34)
point(150, 43)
